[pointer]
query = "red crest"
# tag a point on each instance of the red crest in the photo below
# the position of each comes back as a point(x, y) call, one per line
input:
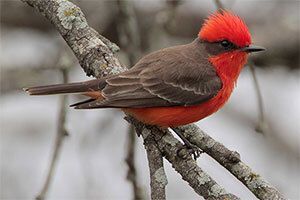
point(224, 25)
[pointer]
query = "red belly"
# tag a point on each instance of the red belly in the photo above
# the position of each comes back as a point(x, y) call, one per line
point(179, 115)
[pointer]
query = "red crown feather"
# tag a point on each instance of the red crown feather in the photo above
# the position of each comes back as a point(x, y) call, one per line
point(224, 25)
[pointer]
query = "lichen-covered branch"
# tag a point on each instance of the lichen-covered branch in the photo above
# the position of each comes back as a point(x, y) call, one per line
point(94, 52)
point(181, 161)
point(231, 161)
point(158, 178)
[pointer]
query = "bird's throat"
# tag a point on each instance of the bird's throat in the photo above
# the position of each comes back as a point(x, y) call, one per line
point(229, 65)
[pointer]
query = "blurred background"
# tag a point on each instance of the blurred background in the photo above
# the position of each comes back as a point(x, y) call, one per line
point(92, 160)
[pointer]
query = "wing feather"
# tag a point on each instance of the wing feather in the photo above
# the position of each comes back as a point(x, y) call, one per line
point(176, 76)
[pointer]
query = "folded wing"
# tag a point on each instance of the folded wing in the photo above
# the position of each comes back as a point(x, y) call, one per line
point(165, 78)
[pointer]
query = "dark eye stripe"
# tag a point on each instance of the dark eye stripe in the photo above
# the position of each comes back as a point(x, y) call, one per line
point(227, 45)
point(218, 47)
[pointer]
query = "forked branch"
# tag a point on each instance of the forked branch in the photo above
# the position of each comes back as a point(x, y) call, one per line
point(96, 56)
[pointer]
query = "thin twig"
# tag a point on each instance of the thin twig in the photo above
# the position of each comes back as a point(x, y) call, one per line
point(231, 161)
point(219, 4)
point(130, 161)
point(61, 133)
point(169, 23)
point(262, 124)
point(128, 31)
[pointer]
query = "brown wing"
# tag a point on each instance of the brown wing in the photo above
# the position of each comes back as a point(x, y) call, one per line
point(177, 76)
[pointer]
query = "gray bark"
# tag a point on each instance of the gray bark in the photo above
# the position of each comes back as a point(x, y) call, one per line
point(96, 57)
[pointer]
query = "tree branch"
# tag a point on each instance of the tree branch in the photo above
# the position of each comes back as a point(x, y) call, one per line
point(96, 58)
point(158, 178)
point(130, 158)
point(181, 161)
point(231, 161)
point(94, 52)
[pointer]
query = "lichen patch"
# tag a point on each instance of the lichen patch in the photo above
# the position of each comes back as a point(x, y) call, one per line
point(93, 42)
point(217, 191)
point(170, 140)
point(203, 178)
point(160, 176)
point(146, 132)
point(70, 15)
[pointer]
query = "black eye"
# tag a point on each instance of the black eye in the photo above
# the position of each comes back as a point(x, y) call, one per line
point(226, 44)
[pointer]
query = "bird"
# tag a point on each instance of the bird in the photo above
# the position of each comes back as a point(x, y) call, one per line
point(177, 85)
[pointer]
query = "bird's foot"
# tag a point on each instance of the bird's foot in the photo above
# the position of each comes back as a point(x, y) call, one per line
point(189, 149)
point(192, 149)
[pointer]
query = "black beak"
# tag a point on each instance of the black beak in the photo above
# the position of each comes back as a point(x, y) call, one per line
point(252, 48)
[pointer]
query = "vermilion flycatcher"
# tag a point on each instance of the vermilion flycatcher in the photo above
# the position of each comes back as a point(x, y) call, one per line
point(176, 85)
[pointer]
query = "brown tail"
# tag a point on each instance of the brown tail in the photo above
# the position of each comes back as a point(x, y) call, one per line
point(80, 87)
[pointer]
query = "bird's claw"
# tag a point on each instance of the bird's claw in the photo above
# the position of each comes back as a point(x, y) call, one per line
point(189, 149)
point(194, 151)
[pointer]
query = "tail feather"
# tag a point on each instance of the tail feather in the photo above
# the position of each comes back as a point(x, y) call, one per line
point(82, 102)
point(78, 87)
